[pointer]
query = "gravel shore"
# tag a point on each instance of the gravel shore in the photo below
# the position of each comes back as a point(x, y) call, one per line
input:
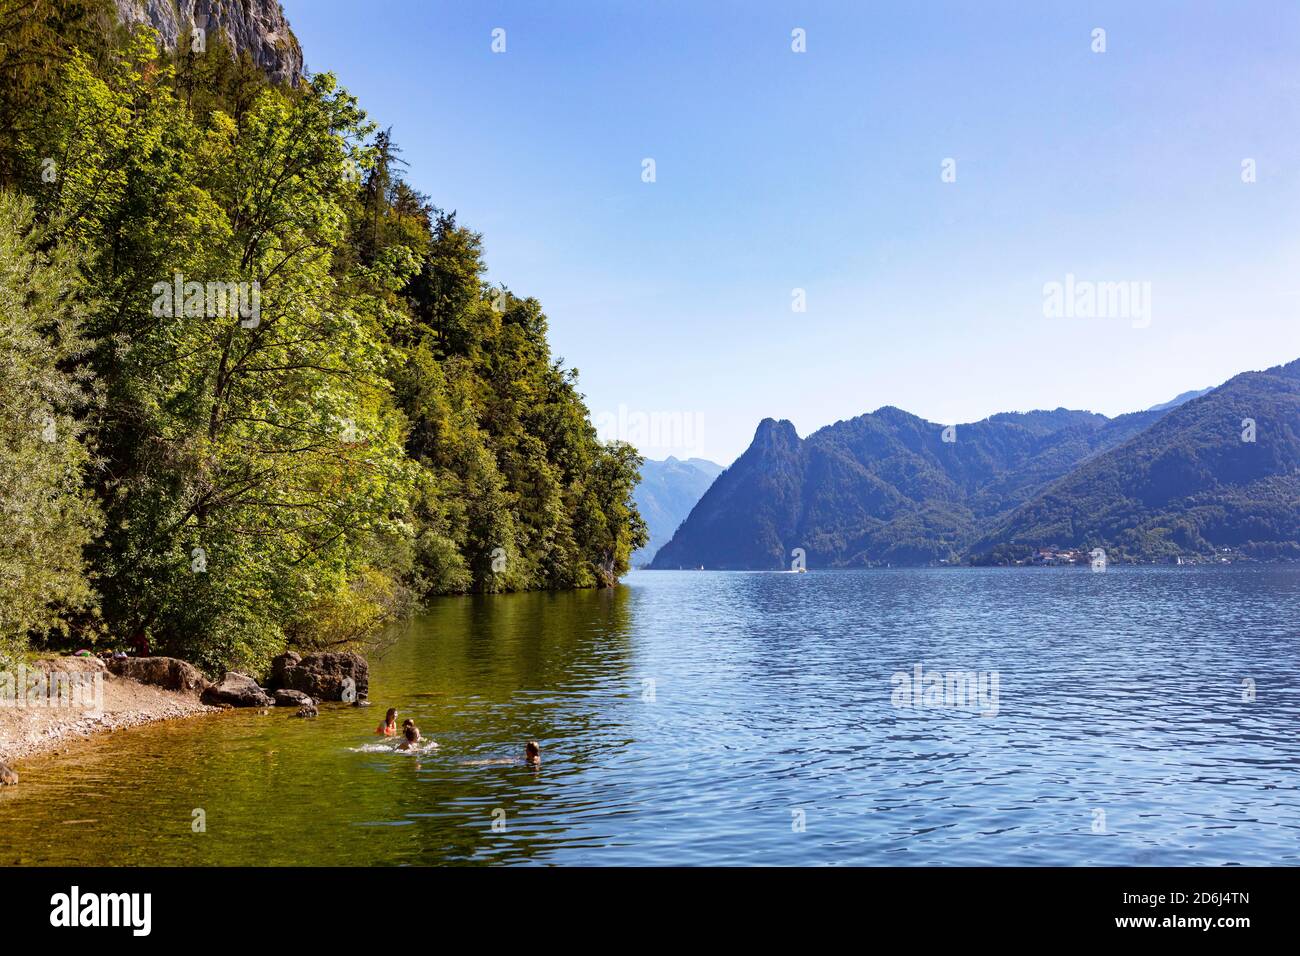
point(27, 730)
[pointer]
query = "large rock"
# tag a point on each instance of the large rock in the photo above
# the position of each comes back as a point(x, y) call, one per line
point(8, 778)
point(257, 26)
point(166, 672)
point(72, 664)
point(322, 676)
point(237, 690)
point(280, 667)
point(291, 698)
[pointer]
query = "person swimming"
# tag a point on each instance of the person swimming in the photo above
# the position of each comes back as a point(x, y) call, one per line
point(532, 757)
point(389, 727)
point(412, 735)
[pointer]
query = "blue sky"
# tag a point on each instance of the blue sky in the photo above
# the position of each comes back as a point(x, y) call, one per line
point(821, 171)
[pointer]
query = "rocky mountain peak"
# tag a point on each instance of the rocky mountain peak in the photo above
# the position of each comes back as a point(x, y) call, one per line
point(258, 26)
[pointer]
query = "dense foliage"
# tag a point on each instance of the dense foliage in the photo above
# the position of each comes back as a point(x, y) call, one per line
point(314, 411)
point(47, 517)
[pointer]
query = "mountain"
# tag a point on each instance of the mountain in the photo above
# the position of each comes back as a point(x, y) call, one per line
point(256, 26)
point(1182, 399)
point(665, 496)
point(1220, 471)
point(886, 488)
point(882, 488)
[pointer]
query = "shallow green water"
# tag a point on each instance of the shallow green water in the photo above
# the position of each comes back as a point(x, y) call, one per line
point(744, 718)
point(479, 676)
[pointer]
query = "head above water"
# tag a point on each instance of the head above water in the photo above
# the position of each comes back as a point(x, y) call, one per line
point(410, 732)
point(391, 716)
point(532, 751)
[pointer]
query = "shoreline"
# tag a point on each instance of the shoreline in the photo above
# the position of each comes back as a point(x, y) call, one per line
point(28, 731)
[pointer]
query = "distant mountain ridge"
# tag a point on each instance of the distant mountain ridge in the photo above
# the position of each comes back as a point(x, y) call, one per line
point(667, 492)
point(886, 488)
point(1219, 471)
point(1182, 399)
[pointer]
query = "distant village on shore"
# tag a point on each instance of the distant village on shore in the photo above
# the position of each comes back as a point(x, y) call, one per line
point(1052, 557)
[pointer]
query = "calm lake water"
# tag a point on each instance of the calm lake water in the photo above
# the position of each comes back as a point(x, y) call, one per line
point(730, 718)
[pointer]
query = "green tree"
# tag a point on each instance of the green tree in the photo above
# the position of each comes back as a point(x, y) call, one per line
point(46, 515)
point(315, 409)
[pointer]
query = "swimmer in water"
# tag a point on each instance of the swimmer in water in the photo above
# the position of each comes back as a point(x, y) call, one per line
point(389, 727)
point(532, 757)
point(412, 734)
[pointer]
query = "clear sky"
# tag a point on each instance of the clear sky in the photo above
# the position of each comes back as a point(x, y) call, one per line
point(822, 171)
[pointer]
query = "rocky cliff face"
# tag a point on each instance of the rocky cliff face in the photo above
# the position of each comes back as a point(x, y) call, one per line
point(258, 26)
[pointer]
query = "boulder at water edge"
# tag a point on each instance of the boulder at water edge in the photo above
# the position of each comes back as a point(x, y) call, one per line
point(280, 667)
point(291, 698)
point(165, 672)
point(237, 690)
point(8, 778)
point(323, 676)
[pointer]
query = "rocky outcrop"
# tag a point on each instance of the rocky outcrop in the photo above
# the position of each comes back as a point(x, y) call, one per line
point(291, 698)
point(237, 690)
point(8, 778)
point(166, 672)
point(258, 26)
point(281, 666)
point(72, 664)
point(308, 710)
point(323, 676)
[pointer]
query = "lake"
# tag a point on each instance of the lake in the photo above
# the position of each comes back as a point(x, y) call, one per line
point(1140, 716)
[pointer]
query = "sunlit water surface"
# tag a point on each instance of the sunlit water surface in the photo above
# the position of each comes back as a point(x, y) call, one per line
point(720, 718)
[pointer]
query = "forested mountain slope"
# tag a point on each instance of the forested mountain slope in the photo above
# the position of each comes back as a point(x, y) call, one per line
point(887, 488)
point(1220, 471)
